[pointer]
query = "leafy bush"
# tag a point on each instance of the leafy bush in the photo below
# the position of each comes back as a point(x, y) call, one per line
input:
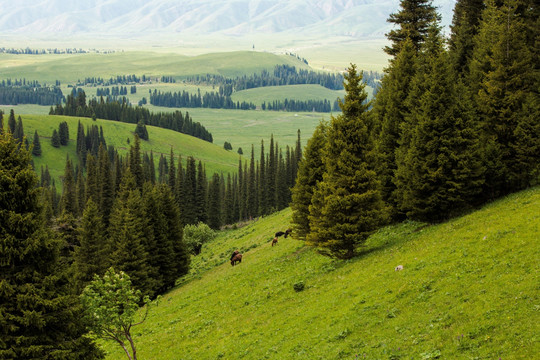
point(196, 235)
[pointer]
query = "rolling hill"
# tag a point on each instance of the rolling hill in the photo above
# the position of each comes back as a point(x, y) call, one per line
point(468, 290)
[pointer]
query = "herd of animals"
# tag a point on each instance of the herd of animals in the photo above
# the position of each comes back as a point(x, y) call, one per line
point(236, 257)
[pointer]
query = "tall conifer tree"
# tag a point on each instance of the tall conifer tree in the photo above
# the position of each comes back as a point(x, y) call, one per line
point(347, 205)
point(36, 149)
point(310, 172)
point(40, 319)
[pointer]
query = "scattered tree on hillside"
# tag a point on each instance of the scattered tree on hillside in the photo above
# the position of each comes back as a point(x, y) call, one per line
point(36, 149)
point(55, 139)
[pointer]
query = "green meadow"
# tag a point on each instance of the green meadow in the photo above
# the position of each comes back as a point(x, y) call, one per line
point(469, 289)
point(118, 134)
point(73, 67)
point(297, 92)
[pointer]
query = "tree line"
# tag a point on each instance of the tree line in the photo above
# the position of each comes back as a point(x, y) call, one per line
point(300, 105)
point(123, 111)
point(22, 91)
point(213, 100)
point(116, 80)
point(451, 128)
point(281, 75)
point(116, 91)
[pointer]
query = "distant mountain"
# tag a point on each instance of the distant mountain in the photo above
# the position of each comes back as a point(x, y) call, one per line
point(143, 18)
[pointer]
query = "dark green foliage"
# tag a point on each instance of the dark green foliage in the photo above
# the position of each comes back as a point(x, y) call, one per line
point(465, 26)
point(413, 20)
point(201, 193)
point(227, 145)
point(141, 130)
point(346, 205)
point(55, 139)
point(105, 184)
point(135, 163)
point(172, 172)
point(442, 174)
point(310, 172)
point(214, 203)
point(127, 231)
point(63, 133)
point(92, 254)
point(390, 111)
point(11, 121)
point(40, 319)
point(240, 151)
point(36, 149)
point(504, 69)
point(121, 110)
point(69, 194)
point(18, 134)
point(189, 206)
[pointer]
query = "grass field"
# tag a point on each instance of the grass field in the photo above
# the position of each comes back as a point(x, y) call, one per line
point(469, 289)
point(213, 156)
point(70, 68)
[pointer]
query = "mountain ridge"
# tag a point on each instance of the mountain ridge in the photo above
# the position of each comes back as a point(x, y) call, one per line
point(361, 18)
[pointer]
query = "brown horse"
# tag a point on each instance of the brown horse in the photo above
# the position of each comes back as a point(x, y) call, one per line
point(274, 241)
point(236, 259)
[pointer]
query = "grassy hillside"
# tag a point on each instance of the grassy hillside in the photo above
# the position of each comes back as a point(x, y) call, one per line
point(70, 68)
point(297, 92)
point(468, 290)
point(215, 157)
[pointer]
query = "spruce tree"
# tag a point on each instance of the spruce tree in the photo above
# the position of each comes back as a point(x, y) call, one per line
point(442, 174)
point(36, 149)
point(310, 172)
point(40, 318)
point(173, 227)
point(413, 21)
point(55, 139)
point(105, 184)
point(189, 205)
point(465, 26)
point(92, 255)
point(505, 83)
point(391, 110)
point(347, 206)
point(135, 163)
point(172, 172)
point(18, 134)
point(201, 193)
point(126, 233)
point(63, 133)
point(92, 180)
point(69, 194)
point(12, 122)
point(214, 203)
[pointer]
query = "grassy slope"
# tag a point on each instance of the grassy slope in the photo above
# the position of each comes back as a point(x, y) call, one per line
point(469, 290)
point(116, 133)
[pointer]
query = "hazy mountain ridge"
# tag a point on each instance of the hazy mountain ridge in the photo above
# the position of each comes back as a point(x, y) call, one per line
point(365, 18)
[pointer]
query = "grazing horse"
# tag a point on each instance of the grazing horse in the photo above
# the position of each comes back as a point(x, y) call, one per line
point(286, 233)
point(274, 241)
point(236, 259)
